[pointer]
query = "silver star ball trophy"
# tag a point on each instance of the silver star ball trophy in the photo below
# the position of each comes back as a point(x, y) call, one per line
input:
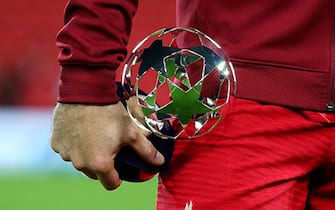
point(183, 84)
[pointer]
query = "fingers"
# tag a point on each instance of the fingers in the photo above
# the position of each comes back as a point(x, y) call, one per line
point(109, 179)
point(91, 136)
point(146, 150)
point(55, 148)
point(89, 174)
point(99, 168)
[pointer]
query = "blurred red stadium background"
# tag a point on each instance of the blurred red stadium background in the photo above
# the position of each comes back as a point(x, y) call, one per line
point(28, 55)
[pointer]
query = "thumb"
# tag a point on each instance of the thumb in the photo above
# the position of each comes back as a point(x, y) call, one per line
point(146, 150)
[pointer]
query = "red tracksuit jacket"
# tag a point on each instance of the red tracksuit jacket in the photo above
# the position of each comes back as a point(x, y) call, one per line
point(283, 51)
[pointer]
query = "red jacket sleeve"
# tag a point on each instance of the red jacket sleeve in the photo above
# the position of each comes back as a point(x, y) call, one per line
point(93, 44)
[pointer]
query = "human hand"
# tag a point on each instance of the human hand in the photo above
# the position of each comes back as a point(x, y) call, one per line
point(135, 110)
point(90, 137)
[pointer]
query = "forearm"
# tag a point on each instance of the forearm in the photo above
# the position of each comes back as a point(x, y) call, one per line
point(93, 44)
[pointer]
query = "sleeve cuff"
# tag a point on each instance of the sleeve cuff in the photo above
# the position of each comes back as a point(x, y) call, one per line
point(87, 85)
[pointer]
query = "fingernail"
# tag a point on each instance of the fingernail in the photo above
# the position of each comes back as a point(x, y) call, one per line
point(159, 158)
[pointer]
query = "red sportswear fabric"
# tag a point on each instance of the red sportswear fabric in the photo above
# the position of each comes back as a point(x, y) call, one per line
point(259, 157)
point(283, 51)
point(93, 44)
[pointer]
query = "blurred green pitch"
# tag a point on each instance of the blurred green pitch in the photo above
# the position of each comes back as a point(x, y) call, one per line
point(72, 192)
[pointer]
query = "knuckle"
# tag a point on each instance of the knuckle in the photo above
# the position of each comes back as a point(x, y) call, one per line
point(149, 152)
point(79, 165)
point(65, 157)
point(147, 149)
point(54, 146)
point(132, 140)
point(61, 151)
point(99, 165)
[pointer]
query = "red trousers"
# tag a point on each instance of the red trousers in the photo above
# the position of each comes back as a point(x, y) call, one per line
point(259, 157)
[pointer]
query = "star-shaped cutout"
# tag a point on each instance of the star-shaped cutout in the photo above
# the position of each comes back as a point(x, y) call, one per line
point(153, 57)
point(185, 103)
